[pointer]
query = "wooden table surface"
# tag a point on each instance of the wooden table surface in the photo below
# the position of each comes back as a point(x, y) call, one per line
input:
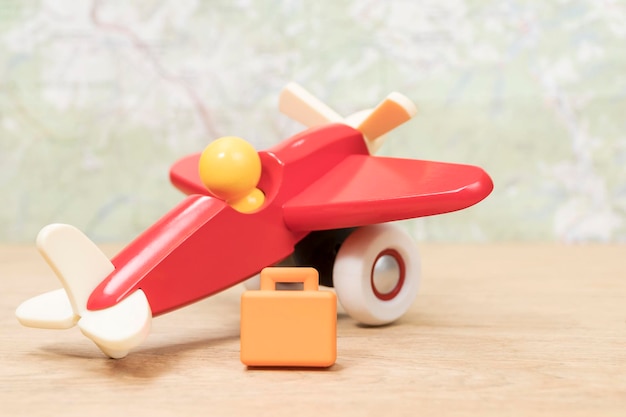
point(496, 330)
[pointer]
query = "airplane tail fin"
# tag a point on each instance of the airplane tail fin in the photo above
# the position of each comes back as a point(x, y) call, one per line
point(80, 266)
point(50, 310)
point(118, 329)
point(77, 262)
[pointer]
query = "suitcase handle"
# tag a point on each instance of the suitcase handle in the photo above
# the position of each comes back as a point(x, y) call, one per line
point(309, 277)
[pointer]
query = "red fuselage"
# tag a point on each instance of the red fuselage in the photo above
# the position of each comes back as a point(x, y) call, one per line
point(320, 179)
point(203, 246)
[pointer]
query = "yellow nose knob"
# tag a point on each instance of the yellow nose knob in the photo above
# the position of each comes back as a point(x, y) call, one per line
point(230, 168)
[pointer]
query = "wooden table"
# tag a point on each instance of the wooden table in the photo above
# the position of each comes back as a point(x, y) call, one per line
point(497, 330)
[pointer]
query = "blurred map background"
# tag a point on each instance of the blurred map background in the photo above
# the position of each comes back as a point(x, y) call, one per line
point(98, 98)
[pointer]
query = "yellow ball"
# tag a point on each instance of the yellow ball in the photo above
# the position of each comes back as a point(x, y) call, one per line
point(230, 168)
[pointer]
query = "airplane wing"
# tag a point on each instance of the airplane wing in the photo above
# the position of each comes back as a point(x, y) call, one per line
point(184, 175)
point(366, 189)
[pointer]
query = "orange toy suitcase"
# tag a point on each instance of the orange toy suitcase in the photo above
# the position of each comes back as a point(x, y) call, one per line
point(289, 328)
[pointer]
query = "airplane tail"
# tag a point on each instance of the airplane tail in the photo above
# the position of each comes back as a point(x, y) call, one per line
point(118, 329)
point(80, 266)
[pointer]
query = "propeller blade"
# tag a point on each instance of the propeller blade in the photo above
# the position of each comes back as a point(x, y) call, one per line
point(300, 105)
point(389, 114)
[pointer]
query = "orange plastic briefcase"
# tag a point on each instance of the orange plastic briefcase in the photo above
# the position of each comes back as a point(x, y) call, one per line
point(289, 328)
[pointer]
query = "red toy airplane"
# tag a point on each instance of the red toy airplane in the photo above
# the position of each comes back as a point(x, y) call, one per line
point(319, 201)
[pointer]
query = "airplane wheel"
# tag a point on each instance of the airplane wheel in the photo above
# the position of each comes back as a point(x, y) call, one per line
point(376, 274)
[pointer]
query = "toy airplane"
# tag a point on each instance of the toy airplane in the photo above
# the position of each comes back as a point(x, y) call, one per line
point(318, 198)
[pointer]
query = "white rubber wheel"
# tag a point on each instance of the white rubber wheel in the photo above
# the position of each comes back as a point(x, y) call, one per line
point(376, 274)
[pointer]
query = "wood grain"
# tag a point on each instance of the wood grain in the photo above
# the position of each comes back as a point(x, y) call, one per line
point(528, 330)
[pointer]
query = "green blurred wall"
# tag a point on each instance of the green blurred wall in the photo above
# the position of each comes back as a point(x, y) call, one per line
point(97, 99)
